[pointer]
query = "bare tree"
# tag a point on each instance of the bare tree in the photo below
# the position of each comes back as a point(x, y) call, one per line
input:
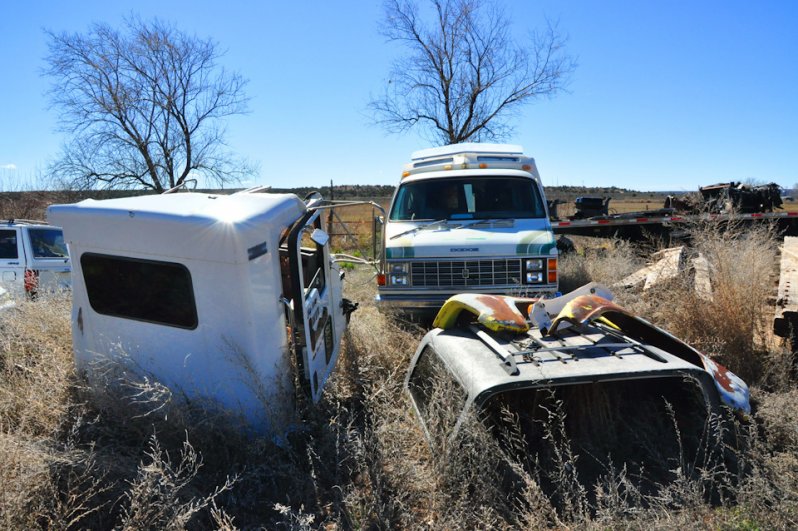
point(143, 107)
point(464, 76)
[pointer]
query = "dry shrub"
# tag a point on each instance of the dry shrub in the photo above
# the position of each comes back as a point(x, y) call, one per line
point(778, 414)
point(35, 365)
point(153, 499)
point(47, 482)
point(77, 457)
point(597, 260)
point(734, 325)
point(74, 456)
point(394, 486)
point(26, 481)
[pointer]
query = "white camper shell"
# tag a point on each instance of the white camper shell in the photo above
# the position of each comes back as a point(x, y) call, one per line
point(203, 293)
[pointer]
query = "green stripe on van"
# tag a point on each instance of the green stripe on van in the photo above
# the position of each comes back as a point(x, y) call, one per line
point(536, 243)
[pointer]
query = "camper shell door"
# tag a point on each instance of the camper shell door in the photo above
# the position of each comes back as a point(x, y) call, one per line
point(316, 303)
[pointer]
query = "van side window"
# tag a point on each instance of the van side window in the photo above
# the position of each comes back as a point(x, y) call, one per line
point(143, 290)
point(48, 243)
point(435, 390)
point(8, 245)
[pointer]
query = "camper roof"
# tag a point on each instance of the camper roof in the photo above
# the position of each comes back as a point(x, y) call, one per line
point(191, 225)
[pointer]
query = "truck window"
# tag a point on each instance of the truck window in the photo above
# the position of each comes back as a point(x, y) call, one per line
point(142, 290)
point(468, 198)
point(48, 243)
point(8, 245)
point(439, 397)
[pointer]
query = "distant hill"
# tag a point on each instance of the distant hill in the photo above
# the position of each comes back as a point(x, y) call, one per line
point(33, 204)
point(569, 193)
point(343, 191)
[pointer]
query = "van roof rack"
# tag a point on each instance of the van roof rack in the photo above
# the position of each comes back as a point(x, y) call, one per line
point(470, 156)
point(12, 221)
point(467, 147)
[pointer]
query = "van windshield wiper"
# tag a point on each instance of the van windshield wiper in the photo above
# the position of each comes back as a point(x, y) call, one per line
point(489, 221)
point(435, 224)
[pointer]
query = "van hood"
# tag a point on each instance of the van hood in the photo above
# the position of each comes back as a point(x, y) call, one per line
point(469, 238)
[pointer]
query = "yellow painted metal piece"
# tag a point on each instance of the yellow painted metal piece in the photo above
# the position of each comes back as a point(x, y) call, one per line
point(586, 308)
point(495, 312)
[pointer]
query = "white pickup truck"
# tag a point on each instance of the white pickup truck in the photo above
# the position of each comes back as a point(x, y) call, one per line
point(33, 258)
point(466, 218)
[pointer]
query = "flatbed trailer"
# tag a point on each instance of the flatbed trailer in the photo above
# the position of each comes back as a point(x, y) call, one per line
point(638, 226)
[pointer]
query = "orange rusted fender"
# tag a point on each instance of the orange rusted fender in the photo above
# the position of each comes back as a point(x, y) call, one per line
point(585, 309)
point(495, 312)
point(733, 391)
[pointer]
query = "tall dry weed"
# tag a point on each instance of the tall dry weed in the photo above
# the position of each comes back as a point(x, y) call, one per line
point(78, 457)
point(597, 260)
point(734, 325)
point(35, 365)
point(47, 481)
point(153, 500)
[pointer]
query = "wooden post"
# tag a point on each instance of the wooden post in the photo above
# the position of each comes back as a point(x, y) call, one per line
point(330, 212)
point(785, 322)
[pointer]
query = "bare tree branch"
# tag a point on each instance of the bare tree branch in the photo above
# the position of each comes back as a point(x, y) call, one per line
point(143, 107)
point(463, 77)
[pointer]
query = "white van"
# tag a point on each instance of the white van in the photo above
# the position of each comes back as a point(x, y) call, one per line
point(33, 258)
point(466, 218)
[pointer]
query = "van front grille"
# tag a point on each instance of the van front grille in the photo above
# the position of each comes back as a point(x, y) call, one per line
point(466, 273)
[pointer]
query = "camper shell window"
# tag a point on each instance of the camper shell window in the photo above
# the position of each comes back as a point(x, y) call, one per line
point(142, 290)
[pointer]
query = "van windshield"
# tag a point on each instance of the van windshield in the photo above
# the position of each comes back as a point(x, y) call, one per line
point(468, 198)
point(48, 243)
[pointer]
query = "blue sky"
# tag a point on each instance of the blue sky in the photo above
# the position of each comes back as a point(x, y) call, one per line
point(666, 95)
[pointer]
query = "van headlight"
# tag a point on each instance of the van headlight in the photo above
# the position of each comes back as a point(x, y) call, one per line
point(534, 270)
point(534, 277)
point(534, 264)
point(399, 274)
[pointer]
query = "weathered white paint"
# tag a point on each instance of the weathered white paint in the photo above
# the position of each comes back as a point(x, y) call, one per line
point(238, 355)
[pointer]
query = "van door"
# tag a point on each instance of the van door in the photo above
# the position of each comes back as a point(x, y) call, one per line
point(12, 266)
point(49, 258)
point(316, 304)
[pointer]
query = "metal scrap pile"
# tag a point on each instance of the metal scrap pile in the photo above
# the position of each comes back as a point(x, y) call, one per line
point(726, 198)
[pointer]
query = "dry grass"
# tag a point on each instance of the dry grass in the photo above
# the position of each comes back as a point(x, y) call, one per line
point(597, 260)
point(74, 457)
point(735, 325)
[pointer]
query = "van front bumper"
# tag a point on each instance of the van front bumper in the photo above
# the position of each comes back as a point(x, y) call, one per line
point(428, 304)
